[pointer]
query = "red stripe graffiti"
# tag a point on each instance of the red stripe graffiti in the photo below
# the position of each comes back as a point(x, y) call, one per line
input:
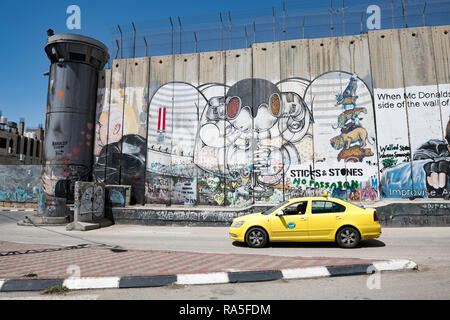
point(159, 120)
point(162, 120)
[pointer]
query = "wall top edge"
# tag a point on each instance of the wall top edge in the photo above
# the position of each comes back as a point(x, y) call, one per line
point(369, 34)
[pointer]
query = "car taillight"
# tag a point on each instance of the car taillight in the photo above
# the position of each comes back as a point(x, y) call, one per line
point(375, 217)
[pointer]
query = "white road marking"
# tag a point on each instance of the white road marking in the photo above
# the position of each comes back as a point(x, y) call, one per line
point(313, 272)
point(205, 278)
point(92, 283)
point(395, 265)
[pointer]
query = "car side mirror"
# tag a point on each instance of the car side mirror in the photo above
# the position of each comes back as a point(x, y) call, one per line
point(280, 213)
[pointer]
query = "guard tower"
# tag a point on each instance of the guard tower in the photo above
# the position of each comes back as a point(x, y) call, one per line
point(70, 121)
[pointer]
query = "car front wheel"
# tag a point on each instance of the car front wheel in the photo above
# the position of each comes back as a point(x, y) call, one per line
point(256, 238)
point(348, 237)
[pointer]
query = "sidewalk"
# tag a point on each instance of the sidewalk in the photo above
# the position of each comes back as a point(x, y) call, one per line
point(90, 266)
point(3, 209)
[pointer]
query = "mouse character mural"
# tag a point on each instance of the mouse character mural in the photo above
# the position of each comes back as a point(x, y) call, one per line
point(251, 131)
point(237, 146)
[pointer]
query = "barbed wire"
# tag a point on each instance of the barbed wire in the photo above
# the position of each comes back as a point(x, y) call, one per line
point(287, 21)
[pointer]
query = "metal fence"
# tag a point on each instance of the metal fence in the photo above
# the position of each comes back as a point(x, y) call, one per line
point(286, 21)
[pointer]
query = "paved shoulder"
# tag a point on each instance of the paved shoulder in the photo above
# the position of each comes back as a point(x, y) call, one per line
point(28, 267)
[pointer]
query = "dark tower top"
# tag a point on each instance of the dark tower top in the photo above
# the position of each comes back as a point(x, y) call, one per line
point(76, 48)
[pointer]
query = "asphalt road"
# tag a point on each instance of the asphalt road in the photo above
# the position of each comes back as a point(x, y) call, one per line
point(428, 247)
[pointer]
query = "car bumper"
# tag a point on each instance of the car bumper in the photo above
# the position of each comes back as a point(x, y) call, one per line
point(371, 232)
point(237, 234)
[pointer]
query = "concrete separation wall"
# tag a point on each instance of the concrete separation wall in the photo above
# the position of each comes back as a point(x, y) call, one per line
point(364, 117)
point(193, 216)
point(426, 214)
point(403, 214)
point(19, 184)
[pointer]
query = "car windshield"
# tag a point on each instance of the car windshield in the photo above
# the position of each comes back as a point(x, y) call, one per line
point(272, 209)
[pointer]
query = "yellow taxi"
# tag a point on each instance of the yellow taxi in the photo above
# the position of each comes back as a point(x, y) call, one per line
point(308, 219)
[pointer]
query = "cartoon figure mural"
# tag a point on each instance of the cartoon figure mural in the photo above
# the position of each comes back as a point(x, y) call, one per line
point(348, 97)
point(353, 137)
point(344, 164)
point(436, 169)
point(427, 176)
point(251, 131)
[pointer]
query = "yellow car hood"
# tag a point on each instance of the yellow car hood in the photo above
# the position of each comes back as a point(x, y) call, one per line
point(247, 217)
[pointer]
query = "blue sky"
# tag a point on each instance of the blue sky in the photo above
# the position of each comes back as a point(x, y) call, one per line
point(23, 25)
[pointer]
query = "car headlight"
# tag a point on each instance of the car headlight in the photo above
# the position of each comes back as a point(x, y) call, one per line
point(237, 224)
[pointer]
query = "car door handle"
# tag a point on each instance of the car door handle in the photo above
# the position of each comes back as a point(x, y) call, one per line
point(337, 218)
point(303, 219)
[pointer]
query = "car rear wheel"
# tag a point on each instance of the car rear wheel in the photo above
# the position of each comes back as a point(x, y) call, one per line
point(256, 238)
point(348, 237)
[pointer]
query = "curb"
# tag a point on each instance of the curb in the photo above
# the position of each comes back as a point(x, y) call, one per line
point(27, 210)
point(206, 278)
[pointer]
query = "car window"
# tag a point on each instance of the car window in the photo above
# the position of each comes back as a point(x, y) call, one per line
point(272, 209)
point(296, 208)
point(326, 207)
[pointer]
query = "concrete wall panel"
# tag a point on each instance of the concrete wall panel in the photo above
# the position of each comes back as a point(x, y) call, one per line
point(441, 49)
point(385, 54)
point(297, 121)
point(391, 117)
point(239, 131)
point(101, 123)
point(183, 122)
point(159, 139)
point(268, 142)
point(354, 57)
point(116, 114)
point(294, 59)
point(209, 154)
point(324, 56)
point(422, 105)
point(133, 145)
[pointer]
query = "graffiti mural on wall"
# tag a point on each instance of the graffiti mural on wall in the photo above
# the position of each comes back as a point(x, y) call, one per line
point(353, 137)
point(414, 157)
point(120, 146)
point(256, 141)
point(235, 145)
point(19, 183)
point(172, 129)
point(344, 163)
point(238, 145)
point(251, 134)
point(427, 176)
